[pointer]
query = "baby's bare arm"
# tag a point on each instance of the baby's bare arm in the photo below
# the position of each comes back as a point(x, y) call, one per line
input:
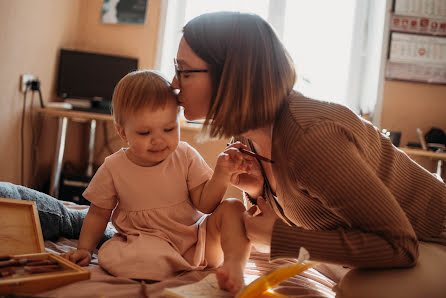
point(93, 227)
point(92, 230)
point(208, 195)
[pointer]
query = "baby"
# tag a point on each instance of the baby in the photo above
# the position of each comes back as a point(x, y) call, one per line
point(165, 200)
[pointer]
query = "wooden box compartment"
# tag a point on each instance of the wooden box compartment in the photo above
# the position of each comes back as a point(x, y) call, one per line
point(21, 239)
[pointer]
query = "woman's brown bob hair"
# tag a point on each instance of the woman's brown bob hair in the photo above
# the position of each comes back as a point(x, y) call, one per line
point(251, 71)
point(140, 89)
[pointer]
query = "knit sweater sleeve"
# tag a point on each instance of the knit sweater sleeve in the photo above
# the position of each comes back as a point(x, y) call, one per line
point(374, 230)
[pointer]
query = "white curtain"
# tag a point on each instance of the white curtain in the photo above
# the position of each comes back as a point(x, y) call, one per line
point(337, 46)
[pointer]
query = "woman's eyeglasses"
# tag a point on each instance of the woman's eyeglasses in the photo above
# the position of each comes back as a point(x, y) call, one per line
point(178, 71)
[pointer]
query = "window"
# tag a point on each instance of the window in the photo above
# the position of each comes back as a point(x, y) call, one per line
point(329, 41)
point(320, 41)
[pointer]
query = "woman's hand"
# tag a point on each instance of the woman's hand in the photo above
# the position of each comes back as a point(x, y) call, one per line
point(231, 161)
point(251, 179)
point(259, 228)
point(80, 256)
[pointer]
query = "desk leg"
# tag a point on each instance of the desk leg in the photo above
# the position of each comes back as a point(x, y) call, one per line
point(57, 167)
point(91, 148)
point(439, 167)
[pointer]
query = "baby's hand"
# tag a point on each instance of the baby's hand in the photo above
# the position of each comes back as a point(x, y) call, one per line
point(80, 256)
point(232, 161)
point(249, 178)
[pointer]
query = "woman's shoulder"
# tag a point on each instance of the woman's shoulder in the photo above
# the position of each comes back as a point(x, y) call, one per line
point(306, 107)
point(307, 112)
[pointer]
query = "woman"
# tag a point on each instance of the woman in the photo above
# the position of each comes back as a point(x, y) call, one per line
point(337, 186)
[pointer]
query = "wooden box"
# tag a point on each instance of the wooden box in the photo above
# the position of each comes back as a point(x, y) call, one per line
point(21, 239)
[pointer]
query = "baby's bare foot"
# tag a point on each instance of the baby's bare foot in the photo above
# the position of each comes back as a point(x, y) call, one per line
point(230, 277)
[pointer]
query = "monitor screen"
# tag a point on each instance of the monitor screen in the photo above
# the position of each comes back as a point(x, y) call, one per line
point(84, 75)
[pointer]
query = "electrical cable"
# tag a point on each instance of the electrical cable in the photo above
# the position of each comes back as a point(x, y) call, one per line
point(40, 98)
point(36, 132)
point(22, 135)
point(34, 86)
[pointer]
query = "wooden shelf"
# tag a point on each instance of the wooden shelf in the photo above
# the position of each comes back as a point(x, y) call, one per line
point(72, 114)
point(54, 112)
point(424, 153)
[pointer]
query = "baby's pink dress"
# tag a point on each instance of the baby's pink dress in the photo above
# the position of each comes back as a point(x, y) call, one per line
point(160, 231)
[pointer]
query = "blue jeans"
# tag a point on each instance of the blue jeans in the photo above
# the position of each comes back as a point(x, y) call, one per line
point(55, 219)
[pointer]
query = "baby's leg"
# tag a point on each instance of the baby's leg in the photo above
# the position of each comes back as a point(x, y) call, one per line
point(226, 242)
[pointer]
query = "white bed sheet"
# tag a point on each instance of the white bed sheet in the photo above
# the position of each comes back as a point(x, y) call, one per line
point(315, 282)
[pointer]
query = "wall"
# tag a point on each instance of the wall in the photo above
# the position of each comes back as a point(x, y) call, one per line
point(121, 39)
point(118, 39)
point(31, 35)
point(408, 105)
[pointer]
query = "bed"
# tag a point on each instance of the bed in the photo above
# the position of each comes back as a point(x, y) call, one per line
point(426, 279)
point(315, 282)
point(324, 280)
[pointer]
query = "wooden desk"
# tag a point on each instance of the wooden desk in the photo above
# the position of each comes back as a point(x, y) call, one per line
point(63, 116)
point(58, 113)
point(438, 156)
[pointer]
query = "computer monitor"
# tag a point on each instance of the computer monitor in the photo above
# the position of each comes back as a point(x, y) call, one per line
point(91, 76)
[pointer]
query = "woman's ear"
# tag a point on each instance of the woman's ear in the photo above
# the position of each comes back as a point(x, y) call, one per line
point(121, 132)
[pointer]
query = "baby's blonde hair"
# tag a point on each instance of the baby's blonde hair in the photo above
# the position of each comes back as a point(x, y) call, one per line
point(140, 89)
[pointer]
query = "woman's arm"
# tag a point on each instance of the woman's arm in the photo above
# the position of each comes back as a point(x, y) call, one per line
point(366, 226)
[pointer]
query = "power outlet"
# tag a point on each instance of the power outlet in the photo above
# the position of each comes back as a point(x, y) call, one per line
point(24, 79)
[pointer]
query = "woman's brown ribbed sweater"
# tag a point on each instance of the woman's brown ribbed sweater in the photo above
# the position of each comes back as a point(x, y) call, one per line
point(345, 193)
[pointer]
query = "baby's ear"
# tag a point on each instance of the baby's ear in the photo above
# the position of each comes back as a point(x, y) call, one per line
point(121, 132)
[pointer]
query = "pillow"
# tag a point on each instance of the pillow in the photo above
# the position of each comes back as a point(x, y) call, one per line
point(426, 279)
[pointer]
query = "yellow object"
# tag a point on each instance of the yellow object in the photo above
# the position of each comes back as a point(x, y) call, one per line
point(268, 294)
point(260, 286)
